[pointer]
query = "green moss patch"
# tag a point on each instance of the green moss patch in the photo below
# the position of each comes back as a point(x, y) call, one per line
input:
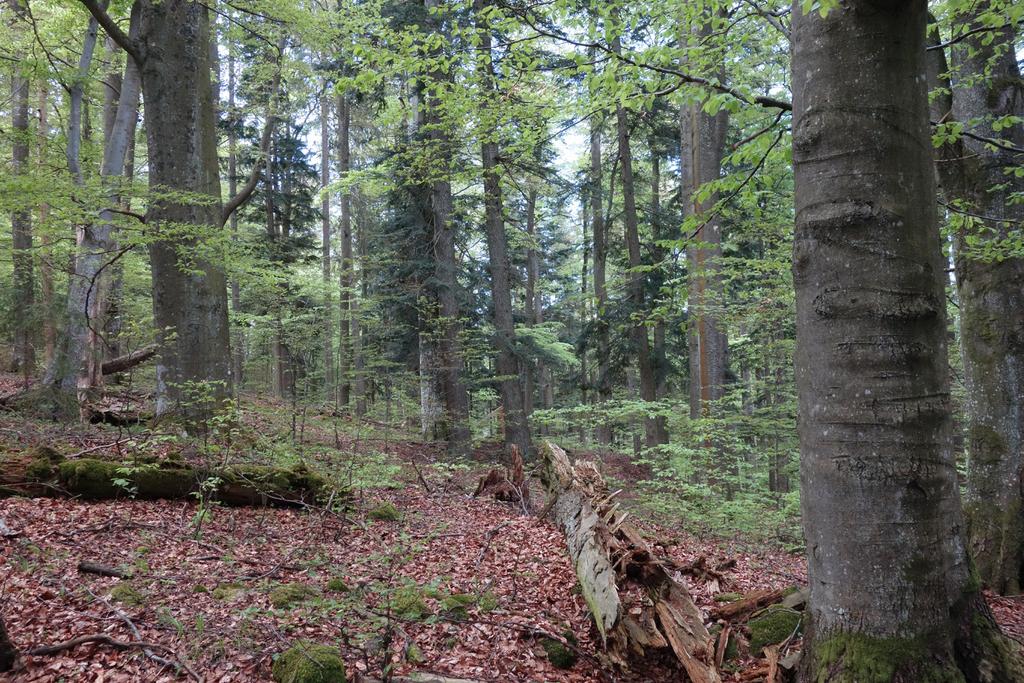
point(227, 591)
point(127, 594)
point(728, 597)
point(559, 654)
point(409, 602)
point(290, 594)
point(337, 585)
point(856, 658)
point(772, 626)
point(307, 662)
point(385, 512)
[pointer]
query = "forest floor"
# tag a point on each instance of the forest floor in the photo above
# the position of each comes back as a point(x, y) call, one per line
point(454, 585)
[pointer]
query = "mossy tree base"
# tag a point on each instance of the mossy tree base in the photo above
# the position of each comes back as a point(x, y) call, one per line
point(978, 653)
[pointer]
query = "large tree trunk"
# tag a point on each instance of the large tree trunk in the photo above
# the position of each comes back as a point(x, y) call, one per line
point(23, 358)
point(190, 307)
point(892, 595)
point(345, 271)
point(325, 244)
point(654, 428)
point(657, 229)
point(987, 87)
point(596, 181)
point(448, 361)
point(506, 366)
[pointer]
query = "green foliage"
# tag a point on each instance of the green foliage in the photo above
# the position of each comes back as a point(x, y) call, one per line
point(560, 655)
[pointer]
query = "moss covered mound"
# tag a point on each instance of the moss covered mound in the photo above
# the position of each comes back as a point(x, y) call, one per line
point(290, 594)
point(560, 655)
point(127, 594)
point(409, 602)
point(771, 626)
point(386, 512)
point(337, 585)
point(307, 662)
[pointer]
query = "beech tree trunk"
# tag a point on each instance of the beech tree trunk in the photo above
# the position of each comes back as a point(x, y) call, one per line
point(172, 50)
point(986, 88)
point(506, 366)
point(23, 358)
point(654, 428)
point(892, 593)
point(603, 381)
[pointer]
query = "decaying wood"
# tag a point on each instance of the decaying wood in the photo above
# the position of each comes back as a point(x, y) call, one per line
point(102, 570)
point(129, 360)
point(507, 485)
point(732, 611)
point(606, 552)
point(104, 639)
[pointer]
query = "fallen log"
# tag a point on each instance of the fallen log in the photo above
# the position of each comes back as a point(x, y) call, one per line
point(733, 611)
point(102, 570)
point(129, 360)
point(41, 471)
point(607, 552)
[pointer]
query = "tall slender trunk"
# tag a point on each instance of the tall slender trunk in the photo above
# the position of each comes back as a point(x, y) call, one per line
point(603, 383)
point(585, 379)
point(77, 368)
point(358, 359)
point(986, 89)
point(454, 394)
point(879, 483)
point(660, 355)
point(238, 338)
point(325, 244)
point(531, 302)
point(517, 431)
point(654, 428)
point(23, 357)
point(702, 141)
point(46, 257)
point(345, 271)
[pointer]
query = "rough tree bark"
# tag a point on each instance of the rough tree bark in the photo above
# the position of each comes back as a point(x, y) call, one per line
point(506, 367)
point(23, 358)
point(448, 361)
point(702, 141)
point(987, 87)
point(654, 428)
point(172, 51)
point(893, 597)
